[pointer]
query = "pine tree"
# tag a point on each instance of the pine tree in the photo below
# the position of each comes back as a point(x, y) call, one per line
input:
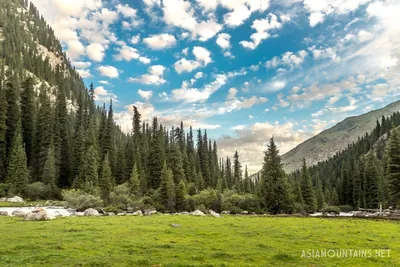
point(3, 131)
point(167, 189)
point(105, 180)
point(307, 189)
point(247, 182)
point(319, 194)
point(49, 172)
point(13, 113)
point(393, 168)
point(17, 171)
point(181, 193)
point(134, 181)
point(371, 178)
point(28, 110)
point(237, 172)
point(88, 177)
point(155, 157)
point(274, 185)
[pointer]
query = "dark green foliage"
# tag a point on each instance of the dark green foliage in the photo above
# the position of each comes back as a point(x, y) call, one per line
point(13, 113)
point(105, 181)
point(307, 189)
point(28, 111)
point(134, 181)
point(393, 167)
point(371, 178)
point(17, 171)
point(274, 191)
point(49, 172)
point(3, 130)
point(167, 189)
point(181, 195)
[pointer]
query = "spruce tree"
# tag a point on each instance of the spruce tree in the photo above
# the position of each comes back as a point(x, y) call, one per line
point(393, 168)
point(88, 178)
point(49, 172)
point(3, 131)
point(13, 113)
point(371, 178)
point(181, 193)
point(105, 180)
point(274, 189)
point(167, 189)
point(307, 189)
point(134, 181)
point(28, 111)
point(319, 194)
point(17, 170)
point(237, 172)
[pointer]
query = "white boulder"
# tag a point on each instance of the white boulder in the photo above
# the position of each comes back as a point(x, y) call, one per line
point(91, 212)
point(138, 213)
point(214, 214)
point(16, 199)
point(198, 213)
point(18, 213)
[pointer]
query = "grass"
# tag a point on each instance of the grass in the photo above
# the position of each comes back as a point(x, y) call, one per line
point(206, 241)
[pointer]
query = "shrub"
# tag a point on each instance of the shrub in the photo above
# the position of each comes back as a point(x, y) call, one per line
point(345, 208)
point(237, 203)
point(208, 198)
point(333, 209)
point(37, 190)
point(80, 200)
point(3, 190)
point(120, 197)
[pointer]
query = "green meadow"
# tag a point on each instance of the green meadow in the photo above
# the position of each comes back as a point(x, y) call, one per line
point(198, 241)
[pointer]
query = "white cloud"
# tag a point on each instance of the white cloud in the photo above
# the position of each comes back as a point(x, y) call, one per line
point(95, 52)
point(154, 77)
point(160, 41)
point(241, 10)
point(135, 39)
point(104, 96)
point(75, 49)
point(81, 65)
point(144, 60)
point(146, 95)
point(364, 36)
point(104, 82)
point(323, 53)
point(232, 93)
point(288, 59)
point(223, 41)
point(126, 53)
point(84, 73)
point(203, 58)
point(263, 27)
point(126, 10)
point(208, 5)
point(108, 71)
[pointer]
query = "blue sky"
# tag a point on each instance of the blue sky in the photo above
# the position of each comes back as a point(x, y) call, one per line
point(245, 70)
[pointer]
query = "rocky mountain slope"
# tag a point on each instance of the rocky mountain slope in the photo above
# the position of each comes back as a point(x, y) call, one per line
point(329, 142)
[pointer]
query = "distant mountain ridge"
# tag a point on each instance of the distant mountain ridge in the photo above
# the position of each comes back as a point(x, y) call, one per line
point(327, 143)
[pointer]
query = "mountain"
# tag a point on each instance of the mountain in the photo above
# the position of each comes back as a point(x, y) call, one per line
point(327, 143)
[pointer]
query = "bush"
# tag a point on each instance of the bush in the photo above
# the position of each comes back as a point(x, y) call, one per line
point(237, 203)
point(346, 208)
point(3, 190)
point(333, 209)
point(36, 191)
point(121, 198)
point(80, 200)
point(208, 198)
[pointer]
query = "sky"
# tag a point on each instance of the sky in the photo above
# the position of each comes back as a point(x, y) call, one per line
point(244, 70)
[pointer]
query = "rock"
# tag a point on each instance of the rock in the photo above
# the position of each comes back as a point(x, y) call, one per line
point(18, 213)
point(71, 210)
point(38, 210)
point(245, 212)
point(79, 213)
point(129, 210)
point(16, 199)
point(138, 213)
point(214, 214)
point(3, 199)
point(198, 213)
point(176, 225)
point(3, 213)
point(298, 215)
point(226, 212)
point(359, 214)
point(184, 213)
point(37, 216)
point(121, 214)
point(111, 214)
point(91, 212)
point(149, 212)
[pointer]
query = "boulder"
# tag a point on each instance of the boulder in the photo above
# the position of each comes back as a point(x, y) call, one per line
point(91, 212)
point(37, 216)
point(3, 213)
point(138, 213)
point(18, 213)
point(214, 214)
point(16, 199)
point(226, 212)
point(245, 212)
point(129, 210)
point(198, 213)
point(111, 214)
point(176, 225)
point(184, 213)
point(359, 214)
point(77, 213)
point(121, 214)
point(149, 212)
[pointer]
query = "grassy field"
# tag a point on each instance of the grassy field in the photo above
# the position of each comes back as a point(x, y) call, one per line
point(206, 241)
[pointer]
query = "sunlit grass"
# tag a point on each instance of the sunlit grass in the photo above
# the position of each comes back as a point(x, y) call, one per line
point(205, 241)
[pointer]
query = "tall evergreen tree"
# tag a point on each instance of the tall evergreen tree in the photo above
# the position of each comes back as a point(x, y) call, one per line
point(105, 180)
point(371, 178)
point(237, 172)
point(181, 193)
point(3, 131)
point(17, 171)
point(28, 111)
point(393, 167)
point(49, 172)
point(274, 185)
point(167, 188)
point(134, 181)
point(13, 113)
point(307, 189)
